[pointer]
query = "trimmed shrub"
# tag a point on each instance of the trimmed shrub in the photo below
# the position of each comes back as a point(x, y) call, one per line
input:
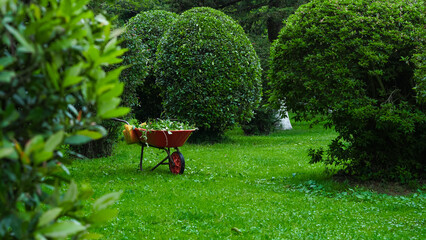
point(142, 35)
point(353, 62)
point(209, 71)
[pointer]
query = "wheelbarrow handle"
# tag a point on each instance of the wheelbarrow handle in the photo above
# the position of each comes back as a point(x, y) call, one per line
point(120, 120)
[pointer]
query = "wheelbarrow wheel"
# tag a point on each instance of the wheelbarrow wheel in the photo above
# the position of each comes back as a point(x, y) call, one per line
point(177, 163)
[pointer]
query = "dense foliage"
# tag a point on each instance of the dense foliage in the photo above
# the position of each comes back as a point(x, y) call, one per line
point(142, 35)
point(208, 70)
point(264, 122)
point(53, 91)
point(353, 62)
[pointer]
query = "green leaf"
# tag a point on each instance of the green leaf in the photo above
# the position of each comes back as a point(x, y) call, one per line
point(6, 151)
point(113, 75)
point(72, 109)
point(10, 115)
point(80, 3)
point(101, 19)
point(115, 91)
point(107, 105)
point(66, 7)
point(52, 71)
point(38, 236)
point(106, 200)
point(42, 156)
point(88, 236)
point(77, 139)
point(6, 61)
point(25, 45)
point(6, 76)
point(49, 216)
point(54, 141)
point(71, 80)
point(72, 77)
point(118, 112)
point(103, 215)
point(36, 143)
point(72, 193)
point(62, 229)
point(91, 134)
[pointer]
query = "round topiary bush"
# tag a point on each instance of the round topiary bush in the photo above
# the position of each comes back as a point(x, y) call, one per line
point(353, 61)
point(142, 35)
point(208, 70)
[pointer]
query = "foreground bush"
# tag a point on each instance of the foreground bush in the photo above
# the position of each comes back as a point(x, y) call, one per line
point(53, 57)
point(353, 62)
point(141, 37)
point(103, 147)
point(208, 70)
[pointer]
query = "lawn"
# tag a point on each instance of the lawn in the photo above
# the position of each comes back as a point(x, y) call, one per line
point(248, 187)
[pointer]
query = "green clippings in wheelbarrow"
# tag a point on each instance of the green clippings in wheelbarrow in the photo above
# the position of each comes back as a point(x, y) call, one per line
point(164, 139)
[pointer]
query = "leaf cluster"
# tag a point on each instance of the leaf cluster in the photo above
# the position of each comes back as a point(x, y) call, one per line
point(53, 90)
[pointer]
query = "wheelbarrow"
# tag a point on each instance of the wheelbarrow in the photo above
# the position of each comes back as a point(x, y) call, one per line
point(164, 140)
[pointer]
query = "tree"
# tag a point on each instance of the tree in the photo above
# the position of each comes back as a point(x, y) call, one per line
point(53, 90)
point(352, 62)
point(122, 10)
point(208, 70)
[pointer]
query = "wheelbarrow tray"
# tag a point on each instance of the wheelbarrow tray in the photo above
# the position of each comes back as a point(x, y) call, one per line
point(164, 139)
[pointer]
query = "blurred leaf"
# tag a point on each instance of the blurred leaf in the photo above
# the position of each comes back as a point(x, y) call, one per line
point(91, 236)
point(72, 80)
point(10, 115)
point(6, 76)
point(39, 236)
point(101, 19)
point(114, 91)
point(42, 156)
point(77, 139)
point(65, 169)
point(53, 74)
point(72, 193)
point(107, 105)
point(49, 216)
point(72, 108)
point(35, 143)
point(106, 200)
point(62, 229)
point(6, 61)
point(21, 39)
point(91, 134)
point(118, 112)
point(103, 215)
point(54, 141)
point(71, 75)
point(4, 152)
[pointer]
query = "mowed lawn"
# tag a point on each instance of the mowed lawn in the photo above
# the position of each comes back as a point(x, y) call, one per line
point(248, 187)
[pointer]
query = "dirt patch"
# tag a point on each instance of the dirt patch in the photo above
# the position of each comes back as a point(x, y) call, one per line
point(383, 187)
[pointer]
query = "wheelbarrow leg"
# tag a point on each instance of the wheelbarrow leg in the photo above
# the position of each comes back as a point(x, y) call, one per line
point(162, 162)
point(140, 163)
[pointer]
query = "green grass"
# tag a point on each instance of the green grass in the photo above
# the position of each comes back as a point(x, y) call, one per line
point(249, 187)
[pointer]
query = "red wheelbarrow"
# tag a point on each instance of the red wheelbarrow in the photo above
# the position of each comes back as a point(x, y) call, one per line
point(165, 140)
